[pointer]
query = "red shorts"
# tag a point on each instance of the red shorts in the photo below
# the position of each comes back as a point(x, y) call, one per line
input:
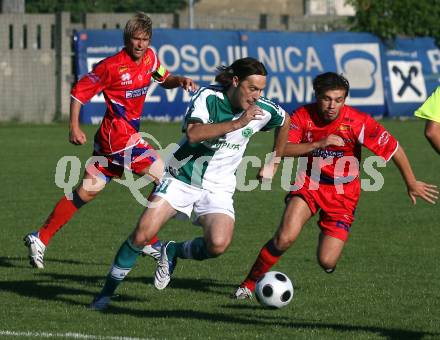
point(336, 209)
point(136, 159)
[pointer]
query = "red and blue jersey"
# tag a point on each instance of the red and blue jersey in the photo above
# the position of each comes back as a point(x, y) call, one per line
point(124, 85)
point(356, 128)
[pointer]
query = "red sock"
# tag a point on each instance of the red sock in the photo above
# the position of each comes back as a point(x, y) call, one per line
point(60, 215)
point(264, 262)
point(153, 240)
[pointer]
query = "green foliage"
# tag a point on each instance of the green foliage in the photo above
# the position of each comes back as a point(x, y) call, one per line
point(390, 18)
point(386, 285)
point(78, 7)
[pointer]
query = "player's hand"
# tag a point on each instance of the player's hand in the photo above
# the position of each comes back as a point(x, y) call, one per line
point(188, 84)
point(428, 192)
point(254, 112)
point(331, 140)
point(267, 171)
point(77, 136)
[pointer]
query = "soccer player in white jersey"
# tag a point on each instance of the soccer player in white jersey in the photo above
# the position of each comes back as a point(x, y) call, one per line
point(200, 178)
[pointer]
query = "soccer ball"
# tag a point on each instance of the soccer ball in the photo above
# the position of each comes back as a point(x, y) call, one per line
point(274, 290)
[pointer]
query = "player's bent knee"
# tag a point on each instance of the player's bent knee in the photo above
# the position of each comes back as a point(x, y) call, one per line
point(217, 248)
point(139, 236)
point(327, 263)
point(283, 242)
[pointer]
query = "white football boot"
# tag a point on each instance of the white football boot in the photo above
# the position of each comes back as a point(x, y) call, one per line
point(243, 293)
point(36, 250)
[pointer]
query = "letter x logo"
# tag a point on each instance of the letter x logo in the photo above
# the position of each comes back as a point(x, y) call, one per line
point(407, 80)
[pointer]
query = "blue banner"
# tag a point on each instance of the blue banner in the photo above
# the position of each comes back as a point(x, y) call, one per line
point(294, 59)
point(411, 74)
point(381, 81)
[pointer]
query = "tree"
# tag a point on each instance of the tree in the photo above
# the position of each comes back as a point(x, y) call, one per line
point(390, 18)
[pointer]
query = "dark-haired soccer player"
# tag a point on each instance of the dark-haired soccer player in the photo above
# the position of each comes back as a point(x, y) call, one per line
point(124, 79)
point(330, 134)
point(218, 126)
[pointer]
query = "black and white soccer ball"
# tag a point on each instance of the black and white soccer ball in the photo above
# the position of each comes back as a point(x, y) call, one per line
point(274, 290)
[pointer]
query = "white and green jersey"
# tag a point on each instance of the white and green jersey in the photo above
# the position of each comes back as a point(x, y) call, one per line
point(212, 164)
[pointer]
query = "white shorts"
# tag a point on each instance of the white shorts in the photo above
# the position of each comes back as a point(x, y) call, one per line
point(186, 198)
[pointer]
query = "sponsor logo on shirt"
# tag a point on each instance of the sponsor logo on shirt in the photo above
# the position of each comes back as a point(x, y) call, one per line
point(226, 145)
point(384, 138)
point(324, 153)
point(136, 93)
point(126, 79)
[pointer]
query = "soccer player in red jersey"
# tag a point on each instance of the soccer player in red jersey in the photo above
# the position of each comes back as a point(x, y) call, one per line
point(330, 134)
point(124, 79)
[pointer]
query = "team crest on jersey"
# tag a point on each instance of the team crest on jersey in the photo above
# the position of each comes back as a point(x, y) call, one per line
point(147, 60)
point(247, 132)
point(122, 69)
point(343, 127)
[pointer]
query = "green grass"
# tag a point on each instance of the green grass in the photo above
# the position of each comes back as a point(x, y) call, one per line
point(386, 285)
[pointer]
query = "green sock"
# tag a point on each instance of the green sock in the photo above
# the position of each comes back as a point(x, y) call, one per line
point(192, 249)
point(124, 260)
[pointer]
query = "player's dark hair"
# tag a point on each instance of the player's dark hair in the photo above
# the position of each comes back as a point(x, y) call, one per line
point(330, 81)
point(241, 68)
point(140, 22)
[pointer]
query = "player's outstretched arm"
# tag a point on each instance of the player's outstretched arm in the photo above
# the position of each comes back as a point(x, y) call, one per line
point(76, 135)
point(428, 192)
point(178, 81)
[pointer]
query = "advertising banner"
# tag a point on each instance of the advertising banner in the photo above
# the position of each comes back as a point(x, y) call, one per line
point(383, 81)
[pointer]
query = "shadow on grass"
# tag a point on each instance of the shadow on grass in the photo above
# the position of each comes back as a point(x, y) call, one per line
point(23, 262)
point(47, 285)
point(45, 290)
point(253, 320)
point(197, 285)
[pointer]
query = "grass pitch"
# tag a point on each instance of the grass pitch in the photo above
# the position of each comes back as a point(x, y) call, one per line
point(386, 285)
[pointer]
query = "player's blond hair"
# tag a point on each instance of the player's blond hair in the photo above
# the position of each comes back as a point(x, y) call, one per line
point(140, 22)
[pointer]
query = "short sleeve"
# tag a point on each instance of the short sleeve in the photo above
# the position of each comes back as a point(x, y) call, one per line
point(430, 109)
point(277, 113)
point(378, 140)
point(197, 111)
point(295, 130)
point(92, 83)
